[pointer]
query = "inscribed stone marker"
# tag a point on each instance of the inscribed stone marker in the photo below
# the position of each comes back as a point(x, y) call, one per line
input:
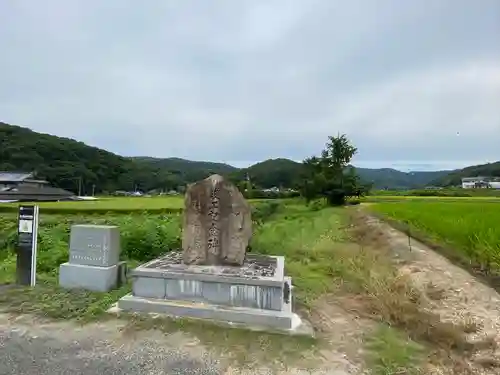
point(94, 245)
point(217, 223)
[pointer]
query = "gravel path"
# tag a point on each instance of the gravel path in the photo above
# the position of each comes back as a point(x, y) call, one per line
point(57, 349)
point(31, 347)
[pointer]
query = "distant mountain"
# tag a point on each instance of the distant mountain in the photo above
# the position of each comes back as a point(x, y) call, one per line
point(188, 169)
point(388, 178)
point(65, 162)
point(284, 172)
point(271, 173)
point(455, 177)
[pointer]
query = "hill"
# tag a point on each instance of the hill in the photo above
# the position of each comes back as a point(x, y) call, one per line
point(188, 170)
point(455, 177)
point(284, 172)
point(388, 178)
point(271, 173)
point(65, 162)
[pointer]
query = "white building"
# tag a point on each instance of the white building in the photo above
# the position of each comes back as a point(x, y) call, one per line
point(480, 182)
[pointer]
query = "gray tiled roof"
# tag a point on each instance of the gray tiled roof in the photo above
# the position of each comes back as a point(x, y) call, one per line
point(14, 176)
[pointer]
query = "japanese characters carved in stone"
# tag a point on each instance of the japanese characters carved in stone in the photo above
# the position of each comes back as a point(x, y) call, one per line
point(217, 223)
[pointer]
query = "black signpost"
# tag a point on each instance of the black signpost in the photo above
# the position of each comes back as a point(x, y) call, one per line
point(27, 245)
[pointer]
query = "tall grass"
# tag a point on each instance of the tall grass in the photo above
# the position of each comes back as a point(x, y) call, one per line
point(144, 236)
point(472, 229)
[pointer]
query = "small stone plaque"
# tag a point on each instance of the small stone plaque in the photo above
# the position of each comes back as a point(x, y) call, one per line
point(94, 245)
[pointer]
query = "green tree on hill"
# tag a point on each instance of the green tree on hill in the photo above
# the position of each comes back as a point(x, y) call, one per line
point(330, 176)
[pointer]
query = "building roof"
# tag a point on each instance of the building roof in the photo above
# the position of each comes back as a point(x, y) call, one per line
point(14, 176)
point(472, 179)
point(36, 191)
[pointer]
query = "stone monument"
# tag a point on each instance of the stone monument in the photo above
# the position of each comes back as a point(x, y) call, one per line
point(217, 223)
point(94, 259)
point(212, 277)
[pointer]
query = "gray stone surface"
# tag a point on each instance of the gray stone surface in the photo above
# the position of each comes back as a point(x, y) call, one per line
point(217, 223)
point(245, 295)
point(94, 256)
point(248, 274)
point(98, 279)
point(274, 320)
point(94, 245)
point(218, 285)
point(217, 293)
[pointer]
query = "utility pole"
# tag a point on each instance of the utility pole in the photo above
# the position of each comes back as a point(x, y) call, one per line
point(80, 186)
point(93, 189)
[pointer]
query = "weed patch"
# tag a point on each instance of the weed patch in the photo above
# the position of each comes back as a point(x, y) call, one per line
point(391, 353)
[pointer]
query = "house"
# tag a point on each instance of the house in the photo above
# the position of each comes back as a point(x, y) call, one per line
point(24, 187)
point(480, 182)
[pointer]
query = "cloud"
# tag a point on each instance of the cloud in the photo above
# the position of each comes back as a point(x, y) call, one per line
point(241, 81)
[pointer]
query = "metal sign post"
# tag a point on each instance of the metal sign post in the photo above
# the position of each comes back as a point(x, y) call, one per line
point(27, 245)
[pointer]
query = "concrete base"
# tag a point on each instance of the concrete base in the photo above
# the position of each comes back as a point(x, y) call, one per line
point(254, 319)
point(216, 285)
point(94, 278)
point(256, 294)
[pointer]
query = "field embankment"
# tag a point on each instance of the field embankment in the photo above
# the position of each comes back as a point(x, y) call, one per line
point(466, 232)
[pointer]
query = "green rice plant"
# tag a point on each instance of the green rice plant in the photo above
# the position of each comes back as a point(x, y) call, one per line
point(472, 229)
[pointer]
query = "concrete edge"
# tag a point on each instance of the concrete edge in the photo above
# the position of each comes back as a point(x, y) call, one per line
point(243, 318)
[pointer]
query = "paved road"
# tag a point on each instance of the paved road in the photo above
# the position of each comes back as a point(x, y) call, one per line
point(50, 350)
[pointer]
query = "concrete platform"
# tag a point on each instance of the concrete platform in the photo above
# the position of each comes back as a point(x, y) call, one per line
point(94, 278)
point(235, 317)
point(260, 283)
point(254, 294)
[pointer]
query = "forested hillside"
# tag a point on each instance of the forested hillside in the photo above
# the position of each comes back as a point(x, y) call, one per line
point(65, 162)
point(455, 177)
point(188, 170)
point(271, 173)
point(387, 178)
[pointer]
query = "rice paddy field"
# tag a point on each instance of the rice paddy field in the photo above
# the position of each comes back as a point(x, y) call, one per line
point(168, 204)
point(470, 227)
point(416, 198)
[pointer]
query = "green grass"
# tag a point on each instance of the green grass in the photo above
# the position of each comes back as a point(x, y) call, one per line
point(447, 199)
point(307, 239)
point(471, 229)
point(390, 352)
point(50, 301)
point(449, 192)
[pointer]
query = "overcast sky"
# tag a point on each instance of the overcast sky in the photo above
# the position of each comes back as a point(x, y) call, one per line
point(414, 84)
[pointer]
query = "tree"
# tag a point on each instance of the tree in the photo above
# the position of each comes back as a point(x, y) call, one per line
point(328, 175)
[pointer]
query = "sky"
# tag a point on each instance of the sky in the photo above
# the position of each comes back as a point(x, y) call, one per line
point(415, 85)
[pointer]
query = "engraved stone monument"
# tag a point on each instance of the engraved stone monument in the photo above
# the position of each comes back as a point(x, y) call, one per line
point(217, 223)
point(94, 253)
point(212, 277)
